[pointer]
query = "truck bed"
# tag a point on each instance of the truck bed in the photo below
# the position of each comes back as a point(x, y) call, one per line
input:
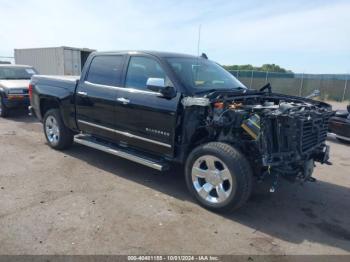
point(54, 79)
point(54, 85)
point(59, 89)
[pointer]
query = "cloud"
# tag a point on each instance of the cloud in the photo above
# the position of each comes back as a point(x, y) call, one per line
point(249, 31)
point(322, 29)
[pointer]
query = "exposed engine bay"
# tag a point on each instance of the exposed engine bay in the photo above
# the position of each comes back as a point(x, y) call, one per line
point(280, 135)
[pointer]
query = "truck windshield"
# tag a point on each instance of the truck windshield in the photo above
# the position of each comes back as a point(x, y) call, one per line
point(199, 75)
point(16, 73)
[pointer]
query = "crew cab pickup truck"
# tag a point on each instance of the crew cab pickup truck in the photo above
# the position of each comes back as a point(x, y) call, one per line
point(157, 108)
point(14, 81)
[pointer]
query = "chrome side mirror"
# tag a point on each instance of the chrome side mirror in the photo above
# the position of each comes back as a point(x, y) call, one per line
point(155, 84)
point(158, 85)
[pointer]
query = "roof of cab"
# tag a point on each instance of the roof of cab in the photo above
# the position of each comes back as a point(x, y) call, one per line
point(154, 53)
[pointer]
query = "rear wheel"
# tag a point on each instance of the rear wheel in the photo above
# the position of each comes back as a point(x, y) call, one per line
point(57, 134)
point(219, 176)
point(3, 109)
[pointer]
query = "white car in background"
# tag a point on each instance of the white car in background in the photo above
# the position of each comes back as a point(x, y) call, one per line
point(14, 82)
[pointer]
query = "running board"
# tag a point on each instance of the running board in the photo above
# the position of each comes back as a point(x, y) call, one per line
point(90, 141)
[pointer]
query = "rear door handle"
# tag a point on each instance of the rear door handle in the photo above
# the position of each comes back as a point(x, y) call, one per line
point(82, 93)
point(123, 100)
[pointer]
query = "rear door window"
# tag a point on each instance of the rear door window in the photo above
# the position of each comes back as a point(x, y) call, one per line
point(106, 70)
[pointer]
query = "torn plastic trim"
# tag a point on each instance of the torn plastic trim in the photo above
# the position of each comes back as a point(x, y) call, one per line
point(195, 101)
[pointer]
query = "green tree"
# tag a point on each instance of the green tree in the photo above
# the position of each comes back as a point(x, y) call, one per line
point(264, 68)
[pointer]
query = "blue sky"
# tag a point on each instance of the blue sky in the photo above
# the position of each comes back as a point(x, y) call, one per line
point(304, 36)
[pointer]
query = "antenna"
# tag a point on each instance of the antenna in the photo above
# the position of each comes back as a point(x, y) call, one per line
point(199, 38)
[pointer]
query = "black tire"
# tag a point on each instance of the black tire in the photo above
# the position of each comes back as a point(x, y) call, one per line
point(240, 171)
point(343, 141)
point(65, 137)
point(4, 111)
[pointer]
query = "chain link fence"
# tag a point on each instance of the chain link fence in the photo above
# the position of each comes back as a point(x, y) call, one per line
point(331, 86)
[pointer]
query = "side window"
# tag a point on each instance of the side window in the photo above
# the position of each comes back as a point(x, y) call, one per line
point(106, 70)
point(140, 69)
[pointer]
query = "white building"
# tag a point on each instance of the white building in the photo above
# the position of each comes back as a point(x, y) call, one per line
point(54, 60)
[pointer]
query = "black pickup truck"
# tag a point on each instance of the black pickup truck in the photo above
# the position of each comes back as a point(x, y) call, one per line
point(157, 108)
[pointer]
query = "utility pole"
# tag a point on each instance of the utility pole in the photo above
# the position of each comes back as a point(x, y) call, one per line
point(199, 39)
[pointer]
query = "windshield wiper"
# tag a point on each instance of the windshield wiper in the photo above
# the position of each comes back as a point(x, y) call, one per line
point(266, 87)
point(239, 88)
point(212, 92)
point(206, 91)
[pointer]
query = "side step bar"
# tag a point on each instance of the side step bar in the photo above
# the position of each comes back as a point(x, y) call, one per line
point(89, 141)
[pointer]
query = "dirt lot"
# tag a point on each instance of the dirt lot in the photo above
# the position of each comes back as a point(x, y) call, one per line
point(82, 201)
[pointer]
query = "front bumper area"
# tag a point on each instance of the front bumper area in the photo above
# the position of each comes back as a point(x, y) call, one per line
point(322, 155)
point(294, 138)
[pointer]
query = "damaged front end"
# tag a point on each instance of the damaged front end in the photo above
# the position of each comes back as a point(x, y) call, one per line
point(292, 138)
point(280, 135)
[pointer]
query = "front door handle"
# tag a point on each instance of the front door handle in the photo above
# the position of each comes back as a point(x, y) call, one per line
point(82, 93)
point(123, 100)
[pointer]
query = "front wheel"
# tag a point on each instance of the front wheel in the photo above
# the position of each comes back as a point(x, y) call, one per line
point(57, 134)
point(219, 176)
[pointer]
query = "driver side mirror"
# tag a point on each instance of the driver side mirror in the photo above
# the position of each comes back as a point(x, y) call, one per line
point(158, 85)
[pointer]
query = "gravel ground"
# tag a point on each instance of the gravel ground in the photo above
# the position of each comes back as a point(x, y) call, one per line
point(82, 201)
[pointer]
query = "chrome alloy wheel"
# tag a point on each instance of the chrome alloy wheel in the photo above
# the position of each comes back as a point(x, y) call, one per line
point(52, 130)
point(212, 179)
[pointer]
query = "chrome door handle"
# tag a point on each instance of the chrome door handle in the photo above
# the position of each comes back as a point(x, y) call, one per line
point(82, 93)
point(123, 100)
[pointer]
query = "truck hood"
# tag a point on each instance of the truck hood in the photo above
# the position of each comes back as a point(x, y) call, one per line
point(15, 84)
point(234, 95)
